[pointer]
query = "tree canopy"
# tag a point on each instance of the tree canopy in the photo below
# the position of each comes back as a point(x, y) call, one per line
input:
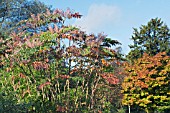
point(151, 39)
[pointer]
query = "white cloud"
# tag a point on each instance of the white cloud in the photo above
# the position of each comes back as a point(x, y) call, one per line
point(100, 18)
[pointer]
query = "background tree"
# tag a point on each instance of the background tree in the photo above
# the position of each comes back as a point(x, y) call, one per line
point(147, 83)
point(13, 11)
point(151, 39)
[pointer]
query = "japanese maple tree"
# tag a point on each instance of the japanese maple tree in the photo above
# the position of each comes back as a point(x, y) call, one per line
point(147, 84)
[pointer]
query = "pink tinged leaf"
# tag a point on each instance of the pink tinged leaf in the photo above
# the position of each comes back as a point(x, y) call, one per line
point(6, 55)
point(64, 76)
point(40, 87)
point(38, 17)
point(33, 16)
point(48, 12)
point(67, 13)
point(56, 11)
point(50, 29)
point(48, 83)
point(56, 28)
point(22, 75)
point(29, 44)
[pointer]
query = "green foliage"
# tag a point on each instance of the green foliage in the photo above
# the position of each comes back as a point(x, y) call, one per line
point(151, 39)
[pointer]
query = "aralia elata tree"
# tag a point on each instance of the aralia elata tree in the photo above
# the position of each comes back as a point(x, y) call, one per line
point(42, 73)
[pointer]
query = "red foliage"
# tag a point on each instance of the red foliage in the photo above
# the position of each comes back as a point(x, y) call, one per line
point(21, 75)
point(64, 76)
point(110, 78)
point(40, 87)
point(76, 15)
point(60, 109)
point(40, 65)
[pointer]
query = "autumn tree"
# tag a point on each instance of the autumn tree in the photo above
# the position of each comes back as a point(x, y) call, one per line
point(151, 39)
point(147, 83)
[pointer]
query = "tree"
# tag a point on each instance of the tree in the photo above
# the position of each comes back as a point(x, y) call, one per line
point(13, 11)
point(147, 83)
point(151, 39)
point(41, 73)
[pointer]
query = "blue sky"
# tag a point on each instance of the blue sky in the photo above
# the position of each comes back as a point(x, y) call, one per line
point(116, 18)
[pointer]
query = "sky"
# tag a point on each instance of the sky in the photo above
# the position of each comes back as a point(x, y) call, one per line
point(116, 18)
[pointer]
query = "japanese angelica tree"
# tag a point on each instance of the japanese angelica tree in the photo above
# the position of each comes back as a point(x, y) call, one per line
point(44, 74)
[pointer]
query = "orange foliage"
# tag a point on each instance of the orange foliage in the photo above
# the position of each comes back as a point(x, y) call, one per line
point(147, 76)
